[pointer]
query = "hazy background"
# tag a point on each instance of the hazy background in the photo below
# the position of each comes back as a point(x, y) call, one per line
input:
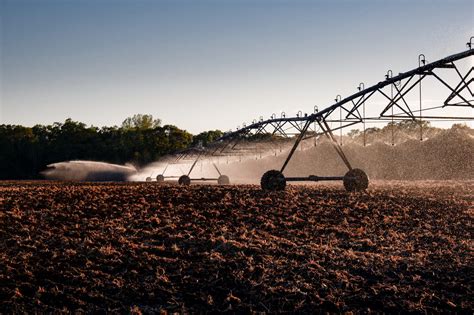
point(209, 64)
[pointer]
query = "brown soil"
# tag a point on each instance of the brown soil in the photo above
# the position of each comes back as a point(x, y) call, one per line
point(145, 247)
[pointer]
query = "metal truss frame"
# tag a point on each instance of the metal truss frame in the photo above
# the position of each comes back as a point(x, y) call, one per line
point(351, 111)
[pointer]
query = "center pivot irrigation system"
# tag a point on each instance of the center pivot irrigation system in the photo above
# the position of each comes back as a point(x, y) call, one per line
point(400, 97)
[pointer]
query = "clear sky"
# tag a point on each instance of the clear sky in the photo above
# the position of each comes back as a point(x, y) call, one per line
point(208, 64)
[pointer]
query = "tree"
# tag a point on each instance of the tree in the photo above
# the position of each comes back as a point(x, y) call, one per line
point(207, 137)
point(142, 122)
point(411, 125)
point(459, 126)
point(177, 138)
point(354, 133)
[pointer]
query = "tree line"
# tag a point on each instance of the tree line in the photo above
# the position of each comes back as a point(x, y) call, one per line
point(26, 151)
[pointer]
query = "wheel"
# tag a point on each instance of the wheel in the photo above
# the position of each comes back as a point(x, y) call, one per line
point(184, 180)
point(223, 180)
point(160, 178)
point(356, 180)
point(148, 179)
point(273, 181)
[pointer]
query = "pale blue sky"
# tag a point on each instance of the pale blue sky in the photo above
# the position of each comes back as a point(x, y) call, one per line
point(208, 64)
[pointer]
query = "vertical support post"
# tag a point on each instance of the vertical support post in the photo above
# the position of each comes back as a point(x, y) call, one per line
point(299, 114)
point(363, 119)
point(315, 136)
point(392, 129)
point(361, 88)
point(340, 125)
point(393, 125)
point(421, 60)
point(338, 99)
point(316, 110)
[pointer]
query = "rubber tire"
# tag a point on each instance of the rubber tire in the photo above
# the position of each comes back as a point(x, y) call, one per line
point(223, 180)
point(273, 181)
point(148, 179)
point(160, 178)
point(184, 180)
point(356, 180)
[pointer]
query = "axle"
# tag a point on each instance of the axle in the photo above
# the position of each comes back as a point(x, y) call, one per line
point(354, 180)
point(313, 178)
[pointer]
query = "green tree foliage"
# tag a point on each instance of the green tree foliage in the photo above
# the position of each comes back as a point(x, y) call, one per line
point(354, 133)
point(140, 121)
point(207, 137)
point(25, 151)
point(411, 124)
point(398, 131)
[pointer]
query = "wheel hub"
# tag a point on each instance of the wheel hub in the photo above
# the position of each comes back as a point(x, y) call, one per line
point(184, 180)
point(223, 180)
point(273, 181)
point(356, 180)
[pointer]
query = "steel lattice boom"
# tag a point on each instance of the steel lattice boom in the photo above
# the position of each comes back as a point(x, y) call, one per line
point(392, 98)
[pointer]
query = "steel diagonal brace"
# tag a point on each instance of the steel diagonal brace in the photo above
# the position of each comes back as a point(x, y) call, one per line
point(297, 142)
point(217, 169)
point(449, 87)
point(239, 139)
point(355, 107)
point(457, 90)
point(401, 96)
point(226, 144)
point(463, 79)
point(261, 129)
point(217, 147)
point(194, 164)
point(346, 117)
point(236, 139)
point(360, 102)
point(342, 107)
point(344, 126)
point(351, 112)
point(166, 167)
point(275, 127)
point(181, 156)
point(278, 128)
point(393, 100)
point(336, 145)
point(295, 125)
point(329, 112)
point(454, 94)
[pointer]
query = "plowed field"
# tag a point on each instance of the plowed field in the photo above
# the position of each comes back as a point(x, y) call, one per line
point(150, 247)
